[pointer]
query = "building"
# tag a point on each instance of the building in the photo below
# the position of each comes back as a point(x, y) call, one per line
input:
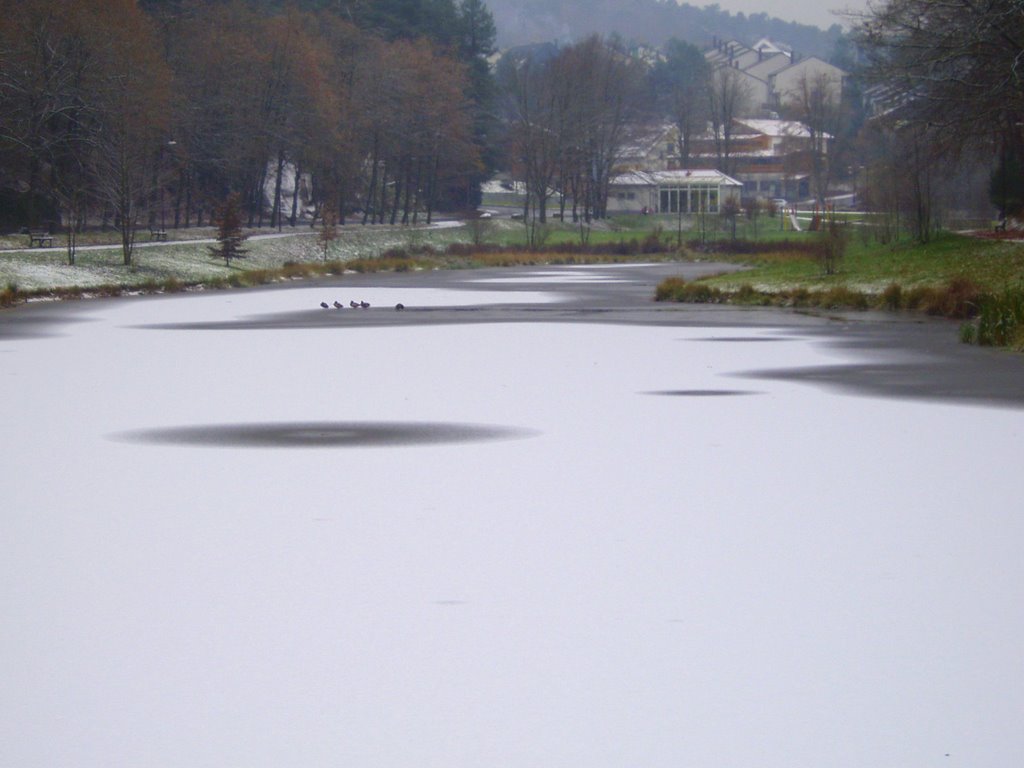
point(773, 76)
point(770, 158)
point(679, 191)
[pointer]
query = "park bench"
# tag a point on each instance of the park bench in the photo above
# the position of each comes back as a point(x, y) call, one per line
point(40, 238)
point(1000, 226)
point(156, 233)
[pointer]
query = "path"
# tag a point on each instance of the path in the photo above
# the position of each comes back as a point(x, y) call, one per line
point(453, 224)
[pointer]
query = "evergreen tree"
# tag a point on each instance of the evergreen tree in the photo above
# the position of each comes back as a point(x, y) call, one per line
point(229, 231)
point(1006, 186)
point(475, 43)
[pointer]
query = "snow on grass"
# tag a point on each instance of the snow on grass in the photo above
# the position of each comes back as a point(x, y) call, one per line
point(779, 575)
point(192, 261)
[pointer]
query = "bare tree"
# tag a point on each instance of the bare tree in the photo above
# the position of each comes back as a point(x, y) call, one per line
point(960, 62)
point(728, 98)
point(681, 82)
point(530, 92)
point(816, 104)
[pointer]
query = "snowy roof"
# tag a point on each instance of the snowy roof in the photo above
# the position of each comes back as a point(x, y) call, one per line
point(777, 128)
point(706, 176)
point(632, 179)
point(767, 46)
point(660, 178)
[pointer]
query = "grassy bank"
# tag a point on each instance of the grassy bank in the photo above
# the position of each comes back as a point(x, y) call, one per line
point(186, 260)
point(978, 281)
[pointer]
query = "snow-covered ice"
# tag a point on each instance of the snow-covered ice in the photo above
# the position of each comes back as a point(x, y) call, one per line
point(619, 554)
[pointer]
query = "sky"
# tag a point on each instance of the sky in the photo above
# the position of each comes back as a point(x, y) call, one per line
point(817, 12)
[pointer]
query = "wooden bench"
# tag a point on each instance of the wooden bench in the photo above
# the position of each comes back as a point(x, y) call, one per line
point(40, 238)
point(155, 233)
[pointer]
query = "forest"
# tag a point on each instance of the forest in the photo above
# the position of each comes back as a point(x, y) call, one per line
point(154, 113)
point(161, 110)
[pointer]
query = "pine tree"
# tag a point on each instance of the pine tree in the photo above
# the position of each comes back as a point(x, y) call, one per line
point(229, 231)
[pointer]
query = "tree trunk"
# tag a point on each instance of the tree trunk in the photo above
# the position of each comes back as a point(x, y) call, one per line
point(371, 193)
point(275, 212)
point(295, 194)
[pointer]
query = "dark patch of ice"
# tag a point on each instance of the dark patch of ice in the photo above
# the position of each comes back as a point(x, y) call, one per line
point(743, 339)
point(702, 392)
point(322, 434)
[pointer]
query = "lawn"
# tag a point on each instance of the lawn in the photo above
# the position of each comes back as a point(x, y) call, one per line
point(871, 267)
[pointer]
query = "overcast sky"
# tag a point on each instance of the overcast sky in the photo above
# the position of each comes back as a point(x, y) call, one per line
point(818, 12)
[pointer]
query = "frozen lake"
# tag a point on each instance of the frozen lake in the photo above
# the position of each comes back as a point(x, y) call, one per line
point(533, 520)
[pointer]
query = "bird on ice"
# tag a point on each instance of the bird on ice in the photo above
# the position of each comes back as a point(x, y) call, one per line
point(353, 304)
point(338, 305)
point(325, 305)
point(364, 305)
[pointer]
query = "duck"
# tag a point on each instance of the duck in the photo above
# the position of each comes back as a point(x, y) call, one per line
point(338, 305)
point(353, 304)
point(399, 306)
point(364, 305)
point(325, 305)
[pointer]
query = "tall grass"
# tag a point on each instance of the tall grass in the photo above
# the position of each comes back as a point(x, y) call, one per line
point(1000, 320)
point(958, 299)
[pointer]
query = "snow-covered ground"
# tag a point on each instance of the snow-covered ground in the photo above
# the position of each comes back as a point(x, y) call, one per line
point(518, 545)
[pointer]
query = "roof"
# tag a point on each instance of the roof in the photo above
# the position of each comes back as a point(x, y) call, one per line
point(768, 46)
point(776, 128)
point(660, 178)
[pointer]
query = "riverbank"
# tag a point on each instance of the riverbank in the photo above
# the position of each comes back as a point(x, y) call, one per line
point(957, 276)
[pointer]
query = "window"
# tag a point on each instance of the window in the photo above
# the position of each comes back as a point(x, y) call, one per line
point(694, 198)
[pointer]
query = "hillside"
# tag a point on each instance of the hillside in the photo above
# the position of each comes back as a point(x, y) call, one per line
point(648, 21)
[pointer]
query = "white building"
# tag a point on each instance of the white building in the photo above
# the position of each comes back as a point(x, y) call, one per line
point(774, 76)
point(680, 191)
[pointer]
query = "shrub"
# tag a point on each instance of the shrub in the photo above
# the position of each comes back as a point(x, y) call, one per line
point(677, 289)
point(799, 297)
point(749, 247)
point(1001, 319)
point(892, 297)
point(9, 295)
point(831, 246)
point(395, 253)
point(968, 333)
point(670, 289)
point(959, 299)
point(919, 297)
point(842, 297)
point(652, 243)
point(746, 294)
point(293, 269)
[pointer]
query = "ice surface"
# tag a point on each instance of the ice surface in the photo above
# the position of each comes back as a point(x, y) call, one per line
point(791, 577)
